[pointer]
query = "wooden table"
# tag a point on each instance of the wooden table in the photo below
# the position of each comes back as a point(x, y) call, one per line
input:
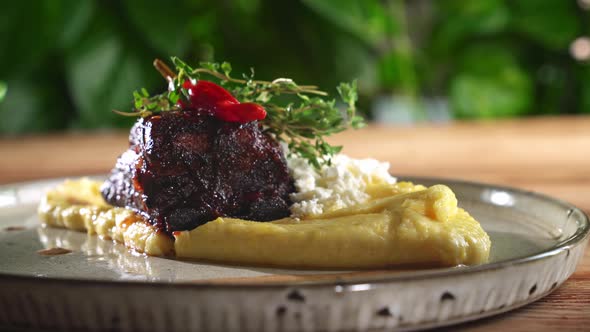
point(549, 155)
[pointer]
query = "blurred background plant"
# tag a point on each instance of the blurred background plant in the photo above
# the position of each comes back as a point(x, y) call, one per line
point(65, 64)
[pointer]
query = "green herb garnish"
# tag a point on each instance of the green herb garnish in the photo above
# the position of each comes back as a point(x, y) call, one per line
point(301, 121)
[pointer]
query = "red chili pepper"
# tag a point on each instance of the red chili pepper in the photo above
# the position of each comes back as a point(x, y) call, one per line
point(208, 93)
point(222, 104)
point(243, 113)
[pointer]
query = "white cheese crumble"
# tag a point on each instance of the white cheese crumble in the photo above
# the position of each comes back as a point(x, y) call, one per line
point(340, 185)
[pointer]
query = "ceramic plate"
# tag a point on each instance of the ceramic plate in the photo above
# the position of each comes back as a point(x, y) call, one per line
point(537, 242)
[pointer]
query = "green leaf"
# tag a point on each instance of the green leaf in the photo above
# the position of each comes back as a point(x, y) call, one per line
point(486, 59)
point(461, 20)
point(367, 20)
point(75, 20)
point(213, 66)
point(27, 35)
point(507, 94)
point(182, 66)
point(3, 88)
point(102, 72)
point(202, 25)
point(348, 92)
point(25, 107)
point(162, 25)
point(396, 72)
point(358, 122)
point(226, 68)
point(490, 83)
point(247, 7)
point(552, 23)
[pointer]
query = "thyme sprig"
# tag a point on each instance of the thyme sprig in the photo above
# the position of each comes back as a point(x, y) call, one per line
point(302, 121)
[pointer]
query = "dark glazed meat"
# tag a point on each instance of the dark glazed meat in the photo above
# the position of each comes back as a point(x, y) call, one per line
point(185, 168)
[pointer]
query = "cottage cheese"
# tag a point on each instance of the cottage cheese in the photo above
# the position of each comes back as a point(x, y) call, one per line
point(340, 185)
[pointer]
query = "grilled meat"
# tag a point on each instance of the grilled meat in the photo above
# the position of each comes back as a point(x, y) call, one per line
point(185, 168)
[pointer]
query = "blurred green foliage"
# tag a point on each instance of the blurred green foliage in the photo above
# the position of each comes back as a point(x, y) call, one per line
point(67, 63)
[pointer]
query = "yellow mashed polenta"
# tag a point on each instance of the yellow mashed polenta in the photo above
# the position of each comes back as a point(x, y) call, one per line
point(401, 224)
